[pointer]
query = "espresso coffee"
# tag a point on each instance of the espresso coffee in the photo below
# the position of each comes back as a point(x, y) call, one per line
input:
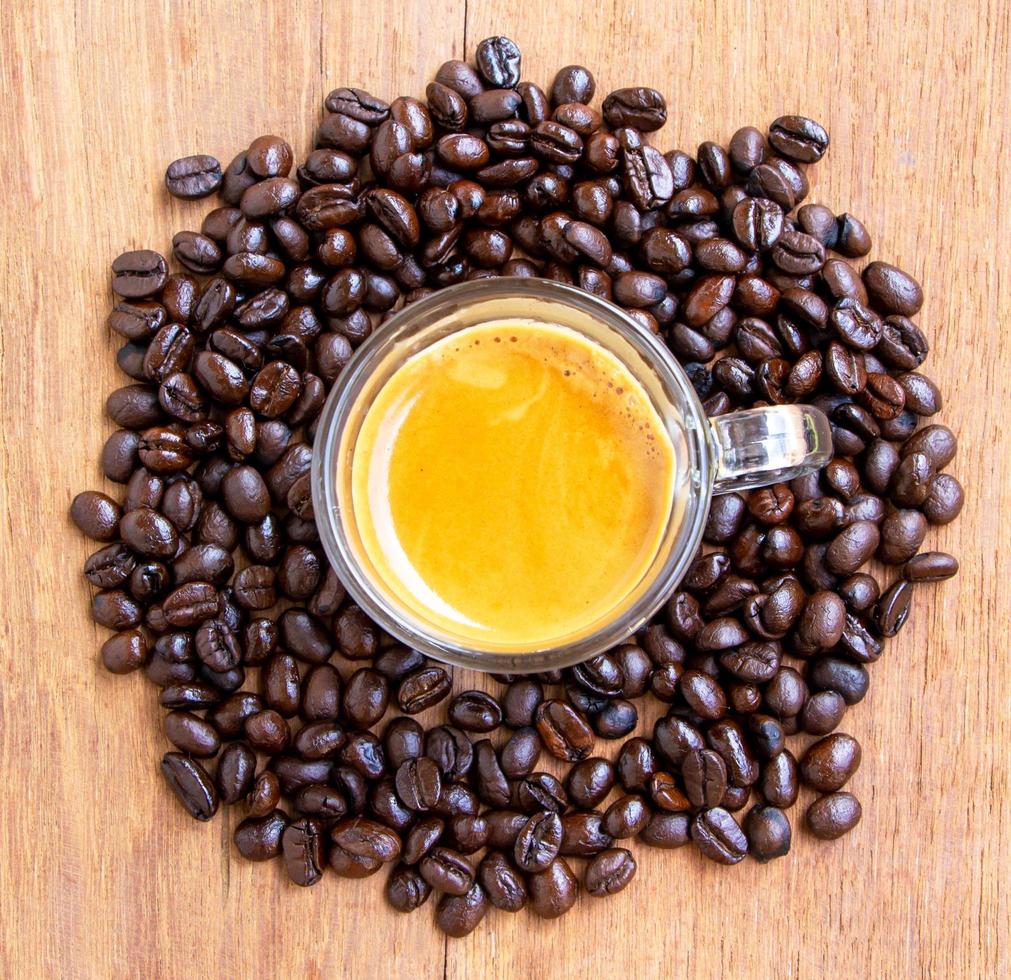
point(511, 485)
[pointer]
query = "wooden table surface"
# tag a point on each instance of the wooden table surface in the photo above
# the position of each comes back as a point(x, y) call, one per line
point(101, 873)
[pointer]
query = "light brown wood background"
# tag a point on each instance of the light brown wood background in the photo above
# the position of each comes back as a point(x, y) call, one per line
point(101, 874)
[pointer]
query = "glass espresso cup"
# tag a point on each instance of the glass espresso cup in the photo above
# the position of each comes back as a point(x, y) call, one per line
point(739, 450)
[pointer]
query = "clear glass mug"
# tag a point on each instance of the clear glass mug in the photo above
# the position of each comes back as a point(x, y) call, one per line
point(736, 451)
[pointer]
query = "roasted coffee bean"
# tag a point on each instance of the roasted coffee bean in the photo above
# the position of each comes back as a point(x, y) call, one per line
point(829, 763)
point(423, 836)
point(705, 777)
point(768, 831)
point(589, 782)
point(498, 61)
point(553, 891)
point(519, 755)
point(625, 817)
point(785, 694)
point(765, 734)
point(418, 783)
point(834, 674)
point(319, 739)
point(718, 836)
point(902, 533)
point(191, 785)
point(446, 871)
point(406, 890)
point(758, 223)
point(643, 109)
point(945, 499)
point(366, 839)
point(564, 731)
point(609, 872)
point(703, 694)
point(583, 835)
point(501, 882)
point(829, 817)
point(799, 138)
point(138, 275)
point(96, 514)
point(822, 712)
point(930, 566)
point(125, 652)
point(666, 830)
point(616, 719)
point(574, 83)
point(491, 781)
point(538, 842)
point(892, 290)
point(779, 782)
point(193, 177)
point(475, 711)
point(267, 731)
point(892, 610)
point(451, 750)
point(258, 838)
point(636, 765)
point(302, 849)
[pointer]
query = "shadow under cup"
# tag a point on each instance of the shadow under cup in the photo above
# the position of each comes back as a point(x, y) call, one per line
point(423, 323)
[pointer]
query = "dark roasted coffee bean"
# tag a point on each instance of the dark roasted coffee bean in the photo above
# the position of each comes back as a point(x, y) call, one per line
point(498, 61)
point(666, 830)
point(892, 610)
point(451, 750)
point(636, 765)
point(902, 533)
point(703, 694)
point(97, 515)
point(829, 817)
point(945, 499)
point(459, 915)
point(418, 783)
point(609, 872)
point(191, 785)
point(891, 290)
point(829, 763)
point(125, 652)
point(564, 731)
point(930, 566)
point(520, 754)
point(446, 871)
point(406, 890)
point(625, 817)
point(705, 777)
point(834, 674)
point(718, 836)
point(779, 782)
point(768, 831)
point(785, 694)
point(799, 138)
point(366, 839)
point(822, 712)
point(765, 734)
point(138, 275)
point(303, 851)
point(553, 891)
point(475, 711)
point(538, 842)
point(641, 108)
point(258, 838)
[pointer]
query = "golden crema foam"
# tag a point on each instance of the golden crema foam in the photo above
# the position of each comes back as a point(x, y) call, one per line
point(511, 485)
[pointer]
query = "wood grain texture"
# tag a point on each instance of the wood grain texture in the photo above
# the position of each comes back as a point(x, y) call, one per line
point(100, 872)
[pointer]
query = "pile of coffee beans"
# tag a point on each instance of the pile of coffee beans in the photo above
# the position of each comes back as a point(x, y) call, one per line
point(278, 690)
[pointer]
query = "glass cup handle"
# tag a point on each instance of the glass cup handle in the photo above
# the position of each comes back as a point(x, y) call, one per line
point(769, 445)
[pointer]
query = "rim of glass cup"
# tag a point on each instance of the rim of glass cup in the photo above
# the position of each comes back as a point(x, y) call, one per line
point(702, 453)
